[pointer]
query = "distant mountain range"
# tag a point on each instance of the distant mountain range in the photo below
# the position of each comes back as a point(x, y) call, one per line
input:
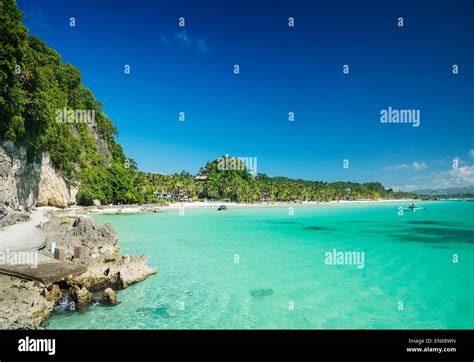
point(467, 190)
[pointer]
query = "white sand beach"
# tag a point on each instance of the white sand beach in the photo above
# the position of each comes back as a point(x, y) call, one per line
point(131, 209)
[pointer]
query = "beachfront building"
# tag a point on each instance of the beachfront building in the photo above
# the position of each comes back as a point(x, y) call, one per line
point(163, 195)
point(200, 178)
point(345, 197)
point(182, 195)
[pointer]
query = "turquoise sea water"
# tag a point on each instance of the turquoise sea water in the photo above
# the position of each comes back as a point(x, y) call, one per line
point(264, 268)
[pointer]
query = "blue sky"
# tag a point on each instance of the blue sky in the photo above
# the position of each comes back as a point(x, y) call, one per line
point(282, 69)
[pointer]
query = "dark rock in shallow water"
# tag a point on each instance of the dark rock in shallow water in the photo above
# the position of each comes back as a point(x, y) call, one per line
point(426, 222)
point(317, 228)
point(222, 208)
point(435, 235)
point(145, 310)
point(263, 292)
point(162, 311)
point(109, 296)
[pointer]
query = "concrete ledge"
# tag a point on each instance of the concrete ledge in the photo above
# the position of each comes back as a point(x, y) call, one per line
point(48, 272)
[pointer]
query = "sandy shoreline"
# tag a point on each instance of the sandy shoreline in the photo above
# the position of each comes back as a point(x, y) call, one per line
point(124, 209)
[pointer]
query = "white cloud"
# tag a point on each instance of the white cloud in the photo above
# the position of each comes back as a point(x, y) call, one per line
point(183, 39)
point(401, 166)
point(471, 153)
point(456, 177)
point(415, 166)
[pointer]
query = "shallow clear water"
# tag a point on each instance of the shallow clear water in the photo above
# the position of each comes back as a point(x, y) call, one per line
point(281, 279)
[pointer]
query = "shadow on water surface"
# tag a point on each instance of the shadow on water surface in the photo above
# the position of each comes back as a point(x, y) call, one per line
point(428, 222)
point(435, 235)
point(162, 311)
point(317, 228)
point(262, 292)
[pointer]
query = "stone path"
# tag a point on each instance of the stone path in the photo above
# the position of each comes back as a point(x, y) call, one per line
point(24, 235)
point(26, 238)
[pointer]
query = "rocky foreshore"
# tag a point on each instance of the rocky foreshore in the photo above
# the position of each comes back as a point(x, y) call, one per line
point(9, 216)
point(27, 304)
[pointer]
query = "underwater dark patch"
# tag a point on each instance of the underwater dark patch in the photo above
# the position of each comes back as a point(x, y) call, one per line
point(161, 311)
point(436, 235)
point(317, 228)
point(260, 293)
point(287, 222)
point(427, 222)
point(371, 231)
point(144, 310)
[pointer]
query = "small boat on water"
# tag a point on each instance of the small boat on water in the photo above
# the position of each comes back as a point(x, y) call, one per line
point(413, 207)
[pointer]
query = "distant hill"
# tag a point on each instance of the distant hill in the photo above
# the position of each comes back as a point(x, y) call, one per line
point(461, 191)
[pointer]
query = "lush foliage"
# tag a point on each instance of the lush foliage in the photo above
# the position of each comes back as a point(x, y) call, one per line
point(34, 86)
point(241, 186)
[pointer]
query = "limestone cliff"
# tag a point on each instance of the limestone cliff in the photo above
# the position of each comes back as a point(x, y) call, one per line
point(26, 184)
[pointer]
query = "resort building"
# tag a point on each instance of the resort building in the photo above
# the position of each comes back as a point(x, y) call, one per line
point(200, 178)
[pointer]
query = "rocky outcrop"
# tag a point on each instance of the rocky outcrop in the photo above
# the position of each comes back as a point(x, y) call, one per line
point(54, 294)
point(25, 305)
point(53, 189)
point(81, 297)
point(133, 269)
point(25, 183)
point(19, 179)
point(9, 216)
point(106, 267)
point(116, 272)
point(22, 304)
point(109, 296)
point(99, 240)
